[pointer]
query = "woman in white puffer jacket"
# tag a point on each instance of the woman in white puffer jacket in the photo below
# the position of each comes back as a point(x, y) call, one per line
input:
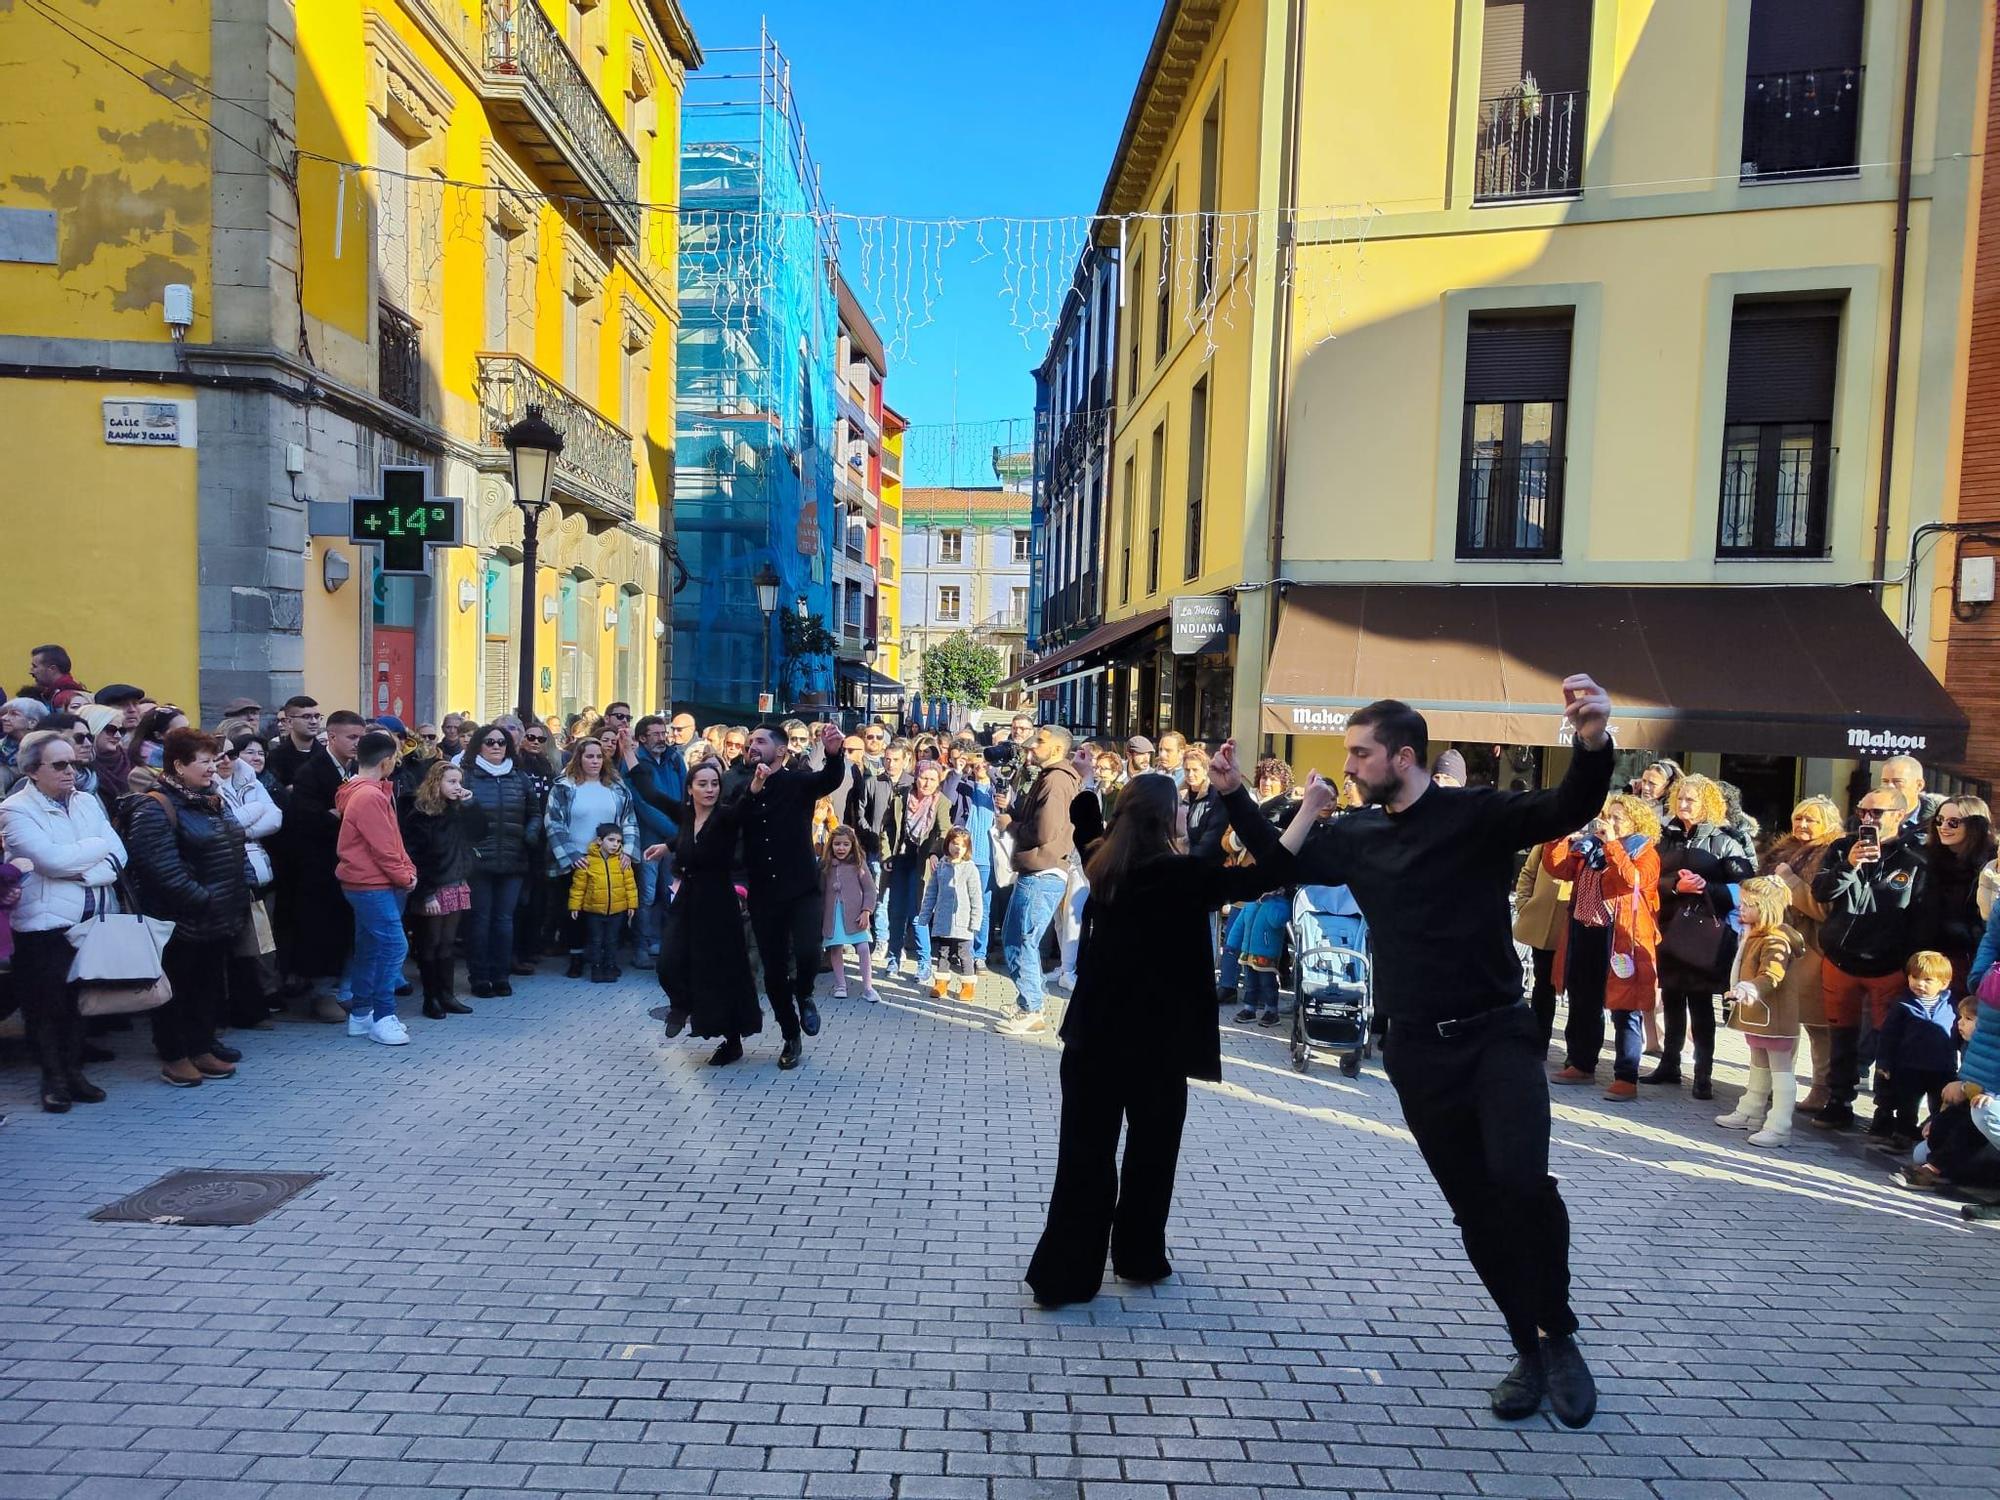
point(76, 855)
point(253, 977)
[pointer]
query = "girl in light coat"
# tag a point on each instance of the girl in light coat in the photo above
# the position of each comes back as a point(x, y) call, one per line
point(951, 913)
point(1776, 973)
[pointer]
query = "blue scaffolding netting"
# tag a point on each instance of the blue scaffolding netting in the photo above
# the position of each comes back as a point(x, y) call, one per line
point(753, 426)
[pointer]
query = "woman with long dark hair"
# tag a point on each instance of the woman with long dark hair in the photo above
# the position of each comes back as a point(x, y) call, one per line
point(1959, 848)
point(588, 794)
point(442, 825)
point(1141, 1023)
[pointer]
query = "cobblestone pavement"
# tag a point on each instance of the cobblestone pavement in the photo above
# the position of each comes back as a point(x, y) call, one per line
point(557, 1255)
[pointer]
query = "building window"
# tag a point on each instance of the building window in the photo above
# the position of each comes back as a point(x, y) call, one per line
point(1156, 506)
point(1137, 282)
point(947, 605)
point(1017, 607)
point(1211, 191)
point(1511, 459)
point(1023, 540)
point(1777, 439)
point(951, 546)
point(1125, 532)
point(1802, 89)
point(1163, 295)
point(1197, 480)
point(1534, 76)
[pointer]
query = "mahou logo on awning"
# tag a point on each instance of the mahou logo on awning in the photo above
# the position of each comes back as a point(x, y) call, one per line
point(1324, 720)
point(1884, 741)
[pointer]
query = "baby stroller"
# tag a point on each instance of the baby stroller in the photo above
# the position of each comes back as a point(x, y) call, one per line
point(1334, 977)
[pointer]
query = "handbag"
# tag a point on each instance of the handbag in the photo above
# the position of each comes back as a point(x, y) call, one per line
point(119, 947)
point(122, 999)
point(1697, 940)
point(257, 940)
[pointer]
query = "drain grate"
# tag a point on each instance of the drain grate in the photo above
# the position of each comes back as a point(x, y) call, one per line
point(208, 1198)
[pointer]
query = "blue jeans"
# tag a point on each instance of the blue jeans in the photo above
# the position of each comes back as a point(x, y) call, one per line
point(1260, 990)
point(1628, 1033)
point(656, 879)
point(379, 949)
point(879, 932)
point(1232, 970)
point(489, 927)
point(906, 896)
point(982, 940)
point(1037, 897)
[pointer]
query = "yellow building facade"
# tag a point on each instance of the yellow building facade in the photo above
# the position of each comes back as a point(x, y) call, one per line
point(889, 571)
point(1550, 295)
point(400, 223)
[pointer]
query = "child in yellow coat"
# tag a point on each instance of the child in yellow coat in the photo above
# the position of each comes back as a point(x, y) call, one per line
point(603, 891)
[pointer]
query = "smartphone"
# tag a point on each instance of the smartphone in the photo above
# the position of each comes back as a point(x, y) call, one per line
point(1868, 836)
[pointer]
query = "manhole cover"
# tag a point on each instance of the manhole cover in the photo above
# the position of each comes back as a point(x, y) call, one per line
point(208, 1198)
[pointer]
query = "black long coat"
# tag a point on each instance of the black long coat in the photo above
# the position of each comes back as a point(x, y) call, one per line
point(317, 914)
point(1145, 968)
point(704, 954)
point(1720, 858)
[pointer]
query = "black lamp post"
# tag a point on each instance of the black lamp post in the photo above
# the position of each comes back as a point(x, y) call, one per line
point(767, 582)
point(871, 652)
point(534, 445)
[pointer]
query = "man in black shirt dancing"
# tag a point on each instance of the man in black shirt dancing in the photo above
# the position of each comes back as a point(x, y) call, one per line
point(1431, 867)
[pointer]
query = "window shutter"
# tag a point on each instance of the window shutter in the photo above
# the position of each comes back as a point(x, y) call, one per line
point(1781, 361)
point(1500, 48)
point(1517, 359)
point(498, 675)
point(1790, 36)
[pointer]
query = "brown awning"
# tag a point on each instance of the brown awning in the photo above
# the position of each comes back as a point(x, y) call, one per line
point(1091, 649)
point(1808, 671)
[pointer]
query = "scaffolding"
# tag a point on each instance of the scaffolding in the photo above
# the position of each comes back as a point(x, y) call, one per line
point(753, 425)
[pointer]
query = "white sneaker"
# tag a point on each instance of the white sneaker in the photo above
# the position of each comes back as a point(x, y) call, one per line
point(1024, 1023)
point(360, 1023)
point(870, 996)
point(390, 1032)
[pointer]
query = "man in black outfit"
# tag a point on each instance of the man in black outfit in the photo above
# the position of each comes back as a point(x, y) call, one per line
point(785, 907)
point(1431, 867)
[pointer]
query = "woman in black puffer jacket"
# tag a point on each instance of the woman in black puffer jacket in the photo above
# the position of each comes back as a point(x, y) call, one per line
point(441, 825)
point(189, 867)
point(1701, 857)
point(504, 790)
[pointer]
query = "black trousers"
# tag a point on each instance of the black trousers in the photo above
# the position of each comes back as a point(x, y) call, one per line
point(1681, 1006)
point(199, 972)
point(1542, 999)
point(1094, 1205)
point(48, 1002)
point(1843, 1070)
point(788, 946)
point(1904, 1090)
point(1478, 1105)
point(1586, 967)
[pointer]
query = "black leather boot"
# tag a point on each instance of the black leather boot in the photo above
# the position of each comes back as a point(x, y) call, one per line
point(427, 971)
point(446, 977)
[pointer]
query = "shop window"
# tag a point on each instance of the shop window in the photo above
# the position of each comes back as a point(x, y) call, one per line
point(1511, 455)
point(1802, 89)
point(1777, 441)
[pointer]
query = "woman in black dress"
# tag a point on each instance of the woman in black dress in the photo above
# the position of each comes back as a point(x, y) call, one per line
point(704, 959)
point(1141, 1023)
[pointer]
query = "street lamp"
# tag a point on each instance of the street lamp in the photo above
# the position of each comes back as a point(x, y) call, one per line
point(767, 582)
point(870, 653)
point(534, 445)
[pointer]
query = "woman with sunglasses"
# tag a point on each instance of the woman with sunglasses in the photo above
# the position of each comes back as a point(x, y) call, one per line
point(588, 794)
point(503, 788)
point(1958, 851)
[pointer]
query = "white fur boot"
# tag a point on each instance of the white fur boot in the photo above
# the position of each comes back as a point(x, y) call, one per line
point(1749, 1111)
point(1777, 1129)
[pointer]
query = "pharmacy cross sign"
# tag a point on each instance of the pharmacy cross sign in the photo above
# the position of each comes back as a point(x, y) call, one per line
point(406, 520)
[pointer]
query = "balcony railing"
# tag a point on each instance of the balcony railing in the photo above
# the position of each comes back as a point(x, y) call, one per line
point(1510, 507)
point(595, 469)
point(1802, 124)
point(1774, 488)
point(1530, 145)
point(399, 359)
point(558, 111)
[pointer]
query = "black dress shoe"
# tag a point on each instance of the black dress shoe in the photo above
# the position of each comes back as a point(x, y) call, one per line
point(454, 1006)
point(1144, 1275)
point(730, 1051)
point(1521, 1392)
point(575, 969)
point(90, 1052)
point(226, 1054)
point(1835, 1117)
point(808, 1018)
point(481, 990)
point(1703, 1089)
point(55, 1097)
point(521, 966)
point(1662, 1075)
point(432, 1009)
point(82, 1090)
point(1572, 1389)
point(502, 987)
point(792, 1054)
point(676, 1022)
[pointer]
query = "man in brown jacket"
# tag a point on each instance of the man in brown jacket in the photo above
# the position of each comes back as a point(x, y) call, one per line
point(1043, 843)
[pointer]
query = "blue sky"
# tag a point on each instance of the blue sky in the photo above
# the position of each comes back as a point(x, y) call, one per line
point(931, 110)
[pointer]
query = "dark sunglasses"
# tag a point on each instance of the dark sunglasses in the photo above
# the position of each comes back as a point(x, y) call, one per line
point(428, 739)
point(1943, 822)
point(501, 742)
point(536, 739)
point(80, 737)
point(1870, 814)
point(622, 717)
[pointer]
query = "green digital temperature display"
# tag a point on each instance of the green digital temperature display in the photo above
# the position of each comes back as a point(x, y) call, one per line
point(406, 521)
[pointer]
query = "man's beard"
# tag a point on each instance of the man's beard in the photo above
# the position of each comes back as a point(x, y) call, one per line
point(1373, 793)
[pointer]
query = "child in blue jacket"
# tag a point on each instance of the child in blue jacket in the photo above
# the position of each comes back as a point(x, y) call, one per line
point(1917, 1054)
point(1258, 935)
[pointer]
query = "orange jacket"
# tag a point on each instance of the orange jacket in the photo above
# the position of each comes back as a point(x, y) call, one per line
point(1632, 891)
point(372, 857)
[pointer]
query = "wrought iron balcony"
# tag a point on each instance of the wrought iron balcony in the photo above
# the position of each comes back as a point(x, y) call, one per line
point(595, 469)
point(1530, 145)
point(1510, 507)
point(1802, 124)
point(534, 83)
point(399, 369)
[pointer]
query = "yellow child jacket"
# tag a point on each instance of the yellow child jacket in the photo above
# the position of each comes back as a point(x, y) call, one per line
point(605, 885)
